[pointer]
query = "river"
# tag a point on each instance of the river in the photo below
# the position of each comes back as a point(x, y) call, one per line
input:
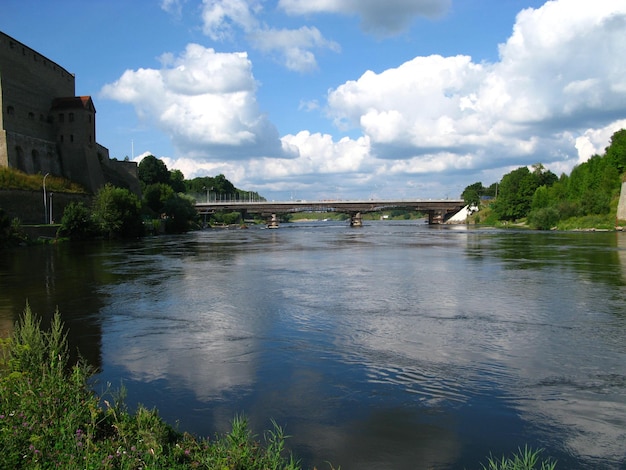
point(397, 345)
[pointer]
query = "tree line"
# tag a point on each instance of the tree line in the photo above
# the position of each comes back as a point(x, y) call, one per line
point(167, 205)
point(544, 200)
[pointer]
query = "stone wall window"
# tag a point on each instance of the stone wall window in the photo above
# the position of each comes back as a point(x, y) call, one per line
point(71, 117)
point(61, 117)
point(10, 110)
point(31, 116)
point(71, 137)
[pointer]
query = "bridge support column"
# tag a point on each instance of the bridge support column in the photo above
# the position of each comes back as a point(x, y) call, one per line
point(435, 217)
point(356, 219)
point(273, 222)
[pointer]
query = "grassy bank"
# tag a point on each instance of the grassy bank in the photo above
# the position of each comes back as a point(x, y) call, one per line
point(50, 418)
point(10, 178)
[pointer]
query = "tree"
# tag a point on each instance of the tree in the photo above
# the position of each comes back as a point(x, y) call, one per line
point(616, 151)
point(181, 214)
point(515, 194)
point(152, 170)
point(117, 213)
point(177, 181)
point(155, 196)
point(471, 195)
point(77, 222)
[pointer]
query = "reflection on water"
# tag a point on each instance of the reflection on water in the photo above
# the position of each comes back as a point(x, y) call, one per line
point(392, 346)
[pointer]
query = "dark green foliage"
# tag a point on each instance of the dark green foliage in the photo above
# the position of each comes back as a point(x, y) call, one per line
point(616, 151)
point(544, 218)
point(77, 222)
point(155, 196)
point(116, 213)
point(152, 170)
point(177, 181)
point(181, 214)
point(515, 194)
point(472, 194)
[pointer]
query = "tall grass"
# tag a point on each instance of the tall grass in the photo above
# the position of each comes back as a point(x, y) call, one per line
point(49, 418)
point(524, 459)
point(10, 178)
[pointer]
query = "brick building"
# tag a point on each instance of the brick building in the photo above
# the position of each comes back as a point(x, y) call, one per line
point(45, 128)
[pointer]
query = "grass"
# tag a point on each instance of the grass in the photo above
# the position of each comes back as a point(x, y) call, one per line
point(50, 418)
point(11, 178)
point(525, 459)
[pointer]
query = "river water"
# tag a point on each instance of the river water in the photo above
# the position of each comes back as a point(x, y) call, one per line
point(392, 346)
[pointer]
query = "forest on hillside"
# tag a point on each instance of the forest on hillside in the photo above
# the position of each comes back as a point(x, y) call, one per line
point(587, 197)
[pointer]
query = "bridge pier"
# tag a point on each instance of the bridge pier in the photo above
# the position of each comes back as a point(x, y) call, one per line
point(273, 222)
point(356, 220)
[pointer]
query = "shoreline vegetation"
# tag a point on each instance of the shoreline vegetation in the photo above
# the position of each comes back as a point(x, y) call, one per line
point(51, 418)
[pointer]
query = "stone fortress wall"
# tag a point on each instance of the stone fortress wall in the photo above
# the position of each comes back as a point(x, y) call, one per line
point(45, 128)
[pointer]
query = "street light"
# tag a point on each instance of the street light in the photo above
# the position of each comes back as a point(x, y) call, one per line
point(51, 219)
point(45, 201)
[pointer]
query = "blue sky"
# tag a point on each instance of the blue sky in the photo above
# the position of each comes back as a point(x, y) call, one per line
point(342, 99)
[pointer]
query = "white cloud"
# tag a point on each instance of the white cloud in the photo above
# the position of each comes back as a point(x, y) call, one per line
point(223, 18)
point(388, 17)
point(174, 7)
point(220, 16)
point(555, 96)
point(558, 71)
point(293, 45)
point(205, 101)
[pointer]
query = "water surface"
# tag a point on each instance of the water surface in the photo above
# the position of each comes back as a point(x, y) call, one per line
point(396, 345)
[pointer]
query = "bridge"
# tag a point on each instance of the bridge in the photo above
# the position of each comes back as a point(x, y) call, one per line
point(438, 210)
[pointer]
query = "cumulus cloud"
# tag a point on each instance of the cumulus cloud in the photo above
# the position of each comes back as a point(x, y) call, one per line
point(205, 101)
point(293, 45)
point(555, 95)
point(556, 74)
point(385, 18)
point(221, 16)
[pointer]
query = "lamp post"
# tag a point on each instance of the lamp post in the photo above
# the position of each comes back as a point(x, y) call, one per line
point(45, 201)
point(51, 219)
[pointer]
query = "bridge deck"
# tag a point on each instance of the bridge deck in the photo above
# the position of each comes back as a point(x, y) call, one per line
point(278, 207)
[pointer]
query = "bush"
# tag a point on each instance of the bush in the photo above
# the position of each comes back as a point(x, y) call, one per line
point(117, 213)
point(77, 222)
point(544, 218)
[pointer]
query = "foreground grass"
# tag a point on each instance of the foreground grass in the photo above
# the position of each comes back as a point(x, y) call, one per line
point(50, 418)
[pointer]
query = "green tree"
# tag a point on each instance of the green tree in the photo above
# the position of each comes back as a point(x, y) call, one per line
point(77, 222)
point(181, 214)
point(117, 213)
point(471, 195)
point(177, 181)
point(616, 151)
point(152, 170)
point(515, 194)
point(155, 196)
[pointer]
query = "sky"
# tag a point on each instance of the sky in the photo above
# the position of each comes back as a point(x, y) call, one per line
point(342, 99)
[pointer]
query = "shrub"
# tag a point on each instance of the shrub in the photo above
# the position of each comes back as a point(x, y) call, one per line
point(77, 222)
point(117, 213)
